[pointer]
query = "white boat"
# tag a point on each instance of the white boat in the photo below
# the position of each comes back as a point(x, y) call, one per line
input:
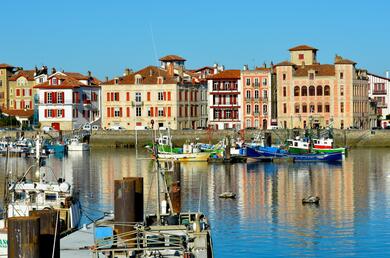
point(76, 145)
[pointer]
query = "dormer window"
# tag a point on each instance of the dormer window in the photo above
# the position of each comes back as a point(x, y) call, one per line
point(54, 81)
point(160, 80)
point(311, 75)
point(301, 56)
point(138, 79)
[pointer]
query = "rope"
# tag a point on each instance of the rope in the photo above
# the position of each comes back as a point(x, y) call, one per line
point(55, 234)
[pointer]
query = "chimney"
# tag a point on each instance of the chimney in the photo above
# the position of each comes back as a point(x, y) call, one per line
point(36, 69)
point(89, 74)
point(337, 58)
point(170, 70)
point(127, 72)
point(388, 74)
point(106, 78)
point(53, 70)
point(245, 68)
point(116, 80)
point(265, 65)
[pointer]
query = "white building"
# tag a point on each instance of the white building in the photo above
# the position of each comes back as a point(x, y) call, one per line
point(379, 91)
point(68, 100)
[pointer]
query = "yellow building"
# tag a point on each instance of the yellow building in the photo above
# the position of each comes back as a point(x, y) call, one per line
point(6, 71)
point(21, 90)
point(153, 93)
point(322, 94)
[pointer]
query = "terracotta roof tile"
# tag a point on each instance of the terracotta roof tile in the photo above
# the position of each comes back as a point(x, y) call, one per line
point(321, 70)
point(204, 68)
point(227, 74)
point(69, 82)
point(28, 74)
point(262, 68)
point(345, 61)
point(77, 76)
point(285, 63)
point(18, 112)
point(302, 47)
point(6, 66)
point(169, 58)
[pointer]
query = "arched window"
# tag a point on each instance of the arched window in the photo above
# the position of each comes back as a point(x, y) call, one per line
point(312, 91)
point(304, 91)
point(296, 108)
point(304, 108)
point(319, 90)
point(248, 94)
point(326, 90)
point(319, 108)
point(296, 91)
point(312, 108)
point(327, 108)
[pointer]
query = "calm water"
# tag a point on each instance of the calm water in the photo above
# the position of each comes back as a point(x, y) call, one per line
point(267, 218)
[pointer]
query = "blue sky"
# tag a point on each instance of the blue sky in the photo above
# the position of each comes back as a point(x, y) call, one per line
point(108, 36)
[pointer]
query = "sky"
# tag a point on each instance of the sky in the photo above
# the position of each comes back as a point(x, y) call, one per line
point(106, 37)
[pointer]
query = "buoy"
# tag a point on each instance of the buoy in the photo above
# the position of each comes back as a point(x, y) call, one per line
point(227, 195)
point(311, 199)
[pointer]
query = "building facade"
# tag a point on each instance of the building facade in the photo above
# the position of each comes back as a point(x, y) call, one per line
point(162, 94)
point(6, 72)
point(379, 87)
point(256, 98)
point(21, 90)
point(321, 95)
point(225, 100)
point(67, 101)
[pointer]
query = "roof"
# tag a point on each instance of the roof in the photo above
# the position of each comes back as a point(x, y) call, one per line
point(227, 74)
point(77, 76)
point(69, 81)
point(149, 75)
point(262, 68)
point(18, 112)
point(169, 58)
point(302, 47)
point(204, 68)
point(285, 63)
point(320, 69)
point(28, 74)
point(6, 66)
point(379, 76)
point(345, 61)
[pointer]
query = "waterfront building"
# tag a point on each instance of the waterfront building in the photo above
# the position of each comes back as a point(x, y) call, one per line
point(6, 71)
point(67, 100)
point(225, 100)
point(256, 97)
point(166, 94)
point(321, 94)
point(379, 87)
point(21, 90)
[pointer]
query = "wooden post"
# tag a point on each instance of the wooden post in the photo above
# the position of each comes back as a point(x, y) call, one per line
point(23, 237)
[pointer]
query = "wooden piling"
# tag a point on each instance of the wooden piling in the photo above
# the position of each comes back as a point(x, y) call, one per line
point(139, 197)
point(24, 237)
point(175, 191)
point(49, 232)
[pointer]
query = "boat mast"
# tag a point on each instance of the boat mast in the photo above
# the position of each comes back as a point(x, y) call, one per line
point(6, 196)
point(155, 150)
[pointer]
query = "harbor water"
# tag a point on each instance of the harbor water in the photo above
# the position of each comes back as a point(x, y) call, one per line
point(267, 218)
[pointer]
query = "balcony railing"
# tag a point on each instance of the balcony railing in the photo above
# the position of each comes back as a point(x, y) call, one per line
point(379, 92)
point(381, 105)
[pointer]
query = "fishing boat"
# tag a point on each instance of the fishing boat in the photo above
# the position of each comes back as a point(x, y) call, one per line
point(75, 144)
point(325, 145)
point(305, 145)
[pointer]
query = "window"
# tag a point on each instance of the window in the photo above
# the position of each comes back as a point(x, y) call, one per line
point(284, 76)
point(138, 79)
point(216, 114)
point(161, 96)
point(116, 96)
point(296, 108)
point(327, 108)
point(248, 109)
point(265, 94)
point(256, 82)
point(117, 112)
point(341, 107)
point(304, 108)
point(311, 76)
point(284, 108)
point(341, 90)
point(60, 97)
point(49, 113)
point(341, 75)
point(160, 112)
point(256, 109)
point(54, 81)
point(304, 91)
point(312, 91)
point(265, 109)
point(228, 113)
point(319, 108)
point(248, 123)
point(248, 81)
point(248, 94)
point(264, 81)
point(138, 97)
point(319, 90)
point(296, 91)
point(257, 123)
point(60, 112)
point(326, 90)
point(301, 56)
point(256, 94)
point(284, 91)
point(49, 97)
point(138, 111)
point(312, 108)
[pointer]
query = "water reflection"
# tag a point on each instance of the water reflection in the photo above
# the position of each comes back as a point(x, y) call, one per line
point(268, 217)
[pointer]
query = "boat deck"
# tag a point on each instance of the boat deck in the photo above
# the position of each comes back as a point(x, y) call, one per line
point(77, 243)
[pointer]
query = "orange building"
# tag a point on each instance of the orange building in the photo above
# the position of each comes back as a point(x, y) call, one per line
point(322, 94)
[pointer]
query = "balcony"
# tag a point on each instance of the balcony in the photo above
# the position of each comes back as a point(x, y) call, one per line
point(379, 92)
point(381, 105)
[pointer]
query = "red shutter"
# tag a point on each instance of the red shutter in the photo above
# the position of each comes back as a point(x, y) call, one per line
point(164, 114)
point(127, 96)
point(30, 92)
point(191, 98)
point(148, 96)
point(45, 112)
point(112, 112)
point(169, 111)
point(165, 95)
point(77, 97)
point(54, 97)
point(128, 112)
point(54, 113)
point(108, 96)
point(23, 92)
point(63, 111)
point(169, 95)
point(22, 104)
point(117, 95)
point(151, 111)
point(31, 105)
point(179, 95)
point(120, 112)
point(156, 111)
point(63, 97)
point(45, 94)
point(112, 96)
point(108, 112)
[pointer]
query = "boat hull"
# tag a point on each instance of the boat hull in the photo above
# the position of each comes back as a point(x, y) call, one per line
point(185, 157)
point(78, 147)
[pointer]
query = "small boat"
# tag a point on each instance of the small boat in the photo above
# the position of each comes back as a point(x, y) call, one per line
point(227, 195)
point(184, 157)
point(76, 145)
point(311, 199)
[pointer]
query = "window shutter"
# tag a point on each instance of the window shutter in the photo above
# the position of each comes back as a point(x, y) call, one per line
point(112, 112)
point(45, 112)
point(120, 112)
point(108, 96)
point(127, 96)
point(31, 105)
point(23, 92)
point(45, 94)
point(169, 111)
point(63, 111)
point(169, 95)
point(128, 112)
point(30, 92)
point(165, 96)
point(54, 113)
point(156, 111)
point(164, 114)
point(151, 111)
point(54, 97)
point(108, 112)
point(148, 96)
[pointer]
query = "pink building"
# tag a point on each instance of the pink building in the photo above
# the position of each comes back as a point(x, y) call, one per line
point(379, 91)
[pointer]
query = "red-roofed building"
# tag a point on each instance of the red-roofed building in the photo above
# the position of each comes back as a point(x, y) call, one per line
point(6, 71)
point(21, 90)
point(67, 100)
point(225, 100)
